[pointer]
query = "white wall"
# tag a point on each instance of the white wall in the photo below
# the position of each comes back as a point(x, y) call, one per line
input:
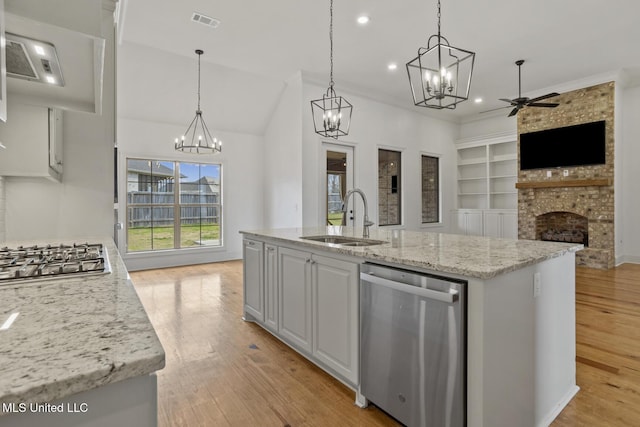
point(3, 235)
point(376, 125)
point(242, 191)
point(628, 229)
point(490, 125)
point(283, 159)
point(82, 205)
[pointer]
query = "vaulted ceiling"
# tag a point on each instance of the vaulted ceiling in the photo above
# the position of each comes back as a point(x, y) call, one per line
point(260, 44)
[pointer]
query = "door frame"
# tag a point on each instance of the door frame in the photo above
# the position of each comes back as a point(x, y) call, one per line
point(341, 147)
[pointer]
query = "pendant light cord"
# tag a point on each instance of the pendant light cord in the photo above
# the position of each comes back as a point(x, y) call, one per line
point(439, 15)
point(331, 44)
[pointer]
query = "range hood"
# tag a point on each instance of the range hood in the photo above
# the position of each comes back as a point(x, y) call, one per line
point(33, 60)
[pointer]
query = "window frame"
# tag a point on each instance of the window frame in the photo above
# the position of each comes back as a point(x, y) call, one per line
point(400, 184)
point(438, 157)
point(176, 206)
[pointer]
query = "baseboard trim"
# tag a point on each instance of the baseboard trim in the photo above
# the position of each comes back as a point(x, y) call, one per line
point(546, 421)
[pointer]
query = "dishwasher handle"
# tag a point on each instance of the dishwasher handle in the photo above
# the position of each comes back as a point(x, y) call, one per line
point(448, 297)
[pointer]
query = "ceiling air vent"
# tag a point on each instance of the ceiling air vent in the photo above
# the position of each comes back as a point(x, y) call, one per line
point(205, 20)
point(32, 60)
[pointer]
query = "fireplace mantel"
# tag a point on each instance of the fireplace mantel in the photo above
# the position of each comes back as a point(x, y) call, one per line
point(604, 182)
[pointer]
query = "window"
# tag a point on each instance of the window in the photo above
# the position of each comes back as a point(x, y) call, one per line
point(163, 215)
point(430, 189)
point(389, 187)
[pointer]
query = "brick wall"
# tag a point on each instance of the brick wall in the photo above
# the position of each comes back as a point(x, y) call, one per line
point(596, 203)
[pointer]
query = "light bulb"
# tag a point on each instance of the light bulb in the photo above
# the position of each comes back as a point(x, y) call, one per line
point(443, 72)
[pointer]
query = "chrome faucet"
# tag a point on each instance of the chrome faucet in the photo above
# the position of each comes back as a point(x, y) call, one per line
point(366, 222)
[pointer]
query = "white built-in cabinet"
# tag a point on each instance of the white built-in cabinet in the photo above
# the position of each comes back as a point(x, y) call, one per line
point(500, 223)
point(33, 139)
point(308, 299)
point(467, 221)
point(487, 173)
point(487, 195)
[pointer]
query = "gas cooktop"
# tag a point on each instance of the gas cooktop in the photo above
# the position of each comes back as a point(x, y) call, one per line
point(32, 263)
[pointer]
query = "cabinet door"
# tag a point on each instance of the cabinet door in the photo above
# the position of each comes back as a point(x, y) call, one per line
point(493, 224)
point(335, 315)
point(473, 222)
point(510, 225)
point(295, 297)
point(271, 287)
point(253, 275)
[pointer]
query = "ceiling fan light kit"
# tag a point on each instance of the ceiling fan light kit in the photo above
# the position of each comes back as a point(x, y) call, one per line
point(331, 113)
point(440, 76)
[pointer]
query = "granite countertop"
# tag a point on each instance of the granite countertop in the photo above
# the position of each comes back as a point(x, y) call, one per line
point(74, 334)
point(470, 256)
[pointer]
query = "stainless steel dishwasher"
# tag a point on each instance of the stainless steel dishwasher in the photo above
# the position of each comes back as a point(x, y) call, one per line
point(412, 345)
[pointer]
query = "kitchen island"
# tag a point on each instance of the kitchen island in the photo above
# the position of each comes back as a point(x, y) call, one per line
point(520, 314)
point(81, 351)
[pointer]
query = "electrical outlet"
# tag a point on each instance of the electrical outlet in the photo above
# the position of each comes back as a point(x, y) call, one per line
point(537, 286)
point(548, 174)
point(565, 173)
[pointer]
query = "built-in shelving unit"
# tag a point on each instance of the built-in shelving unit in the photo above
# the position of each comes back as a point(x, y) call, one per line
point(487, 173)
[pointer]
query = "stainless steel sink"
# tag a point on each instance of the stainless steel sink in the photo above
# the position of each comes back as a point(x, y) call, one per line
point(343, 240)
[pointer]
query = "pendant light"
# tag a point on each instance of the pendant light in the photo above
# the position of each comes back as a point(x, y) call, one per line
point(331, 113)
point(440, 76)
point(197, 138)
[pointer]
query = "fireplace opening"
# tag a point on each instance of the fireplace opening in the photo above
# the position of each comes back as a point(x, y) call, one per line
point(564, 227)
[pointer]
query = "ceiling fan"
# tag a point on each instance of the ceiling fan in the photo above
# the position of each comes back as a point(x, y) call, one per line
point(520, 102)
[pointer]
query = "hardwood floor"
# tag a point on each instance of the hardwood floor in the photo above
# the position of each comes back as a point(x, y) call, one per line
point(608, 349)
point(222, 371)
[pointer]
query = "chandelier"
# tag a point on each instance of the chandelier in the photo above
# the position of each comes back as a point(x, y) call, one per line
point(197, 138)
point(440, 76)
point(331, 113)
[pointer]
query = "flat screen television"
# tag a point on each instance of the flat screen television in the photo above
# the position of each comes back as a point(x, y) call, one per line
point(578, 145)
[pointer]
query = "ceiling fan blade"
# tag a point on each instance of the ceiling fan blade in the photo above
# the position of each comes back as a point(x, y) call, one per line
point(543, 104)
point(540, 98)
point(495, 109)
point(510, 101)
point(513, 112)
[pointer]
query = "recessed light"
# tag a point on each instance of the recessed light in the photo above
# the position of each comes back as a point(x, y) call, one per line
point(392, 66)
point(478, 100)
point(363, 19)
point(7, 323)
point(39, 50)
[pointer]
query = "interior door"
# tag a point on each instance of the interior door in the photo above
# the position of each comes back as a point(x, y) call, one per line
point(337, 177)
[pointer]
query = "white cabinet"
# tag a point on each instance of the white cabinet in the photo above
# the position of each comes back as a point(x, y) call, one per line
point(335, 314)
point(295, 297)
point(487, 173)
point(253, 279)
point(467, 222)
point(33, 139)
point(306, 299)
point(271, 287)
point(503, 224)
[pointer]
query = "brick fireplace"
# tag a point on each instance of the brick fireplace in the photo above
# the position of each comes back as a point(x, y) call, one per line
point(580, 204)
